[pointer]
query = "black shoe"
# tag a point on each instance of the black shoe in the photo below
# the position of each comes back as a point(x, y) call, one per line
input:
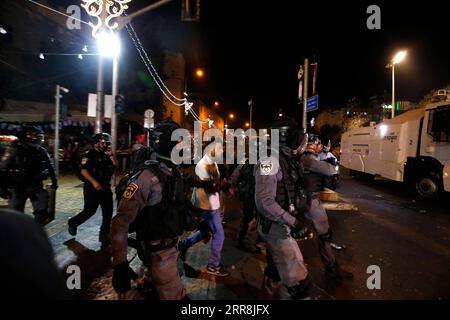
point(183, 251)
point(302, 290)
point(72, 229)
point(42, 220)
point(219, 271)
point(104, 239)
point(336, 272)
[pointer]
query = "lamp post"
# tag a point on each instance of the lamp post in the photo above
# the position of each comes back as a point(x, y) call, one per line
point(57, 113)
point(399, 57)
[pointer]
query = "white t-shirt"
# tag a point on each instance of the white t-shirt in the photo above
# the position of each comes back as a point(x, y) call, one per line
point(200, 199)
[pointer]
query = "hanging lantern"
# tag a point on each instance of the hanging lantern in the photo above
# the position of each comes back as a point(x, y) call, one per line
point(104, 11)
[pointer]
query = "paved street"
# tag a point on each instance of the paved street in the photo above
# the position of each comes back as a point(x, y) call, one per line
point(408, 239)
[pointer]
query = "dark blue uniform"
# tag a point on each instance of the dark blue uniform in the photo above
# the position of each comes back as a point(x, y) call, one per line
point(26, 168)
point(101, 168)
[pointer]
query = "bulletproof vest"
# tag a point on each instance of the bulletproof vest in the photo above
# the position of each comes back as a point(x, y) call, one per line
point(28, 165)
point(170, 217)
point(246, 183)
point(311, 178)
point(290, 189)
point(103, 168)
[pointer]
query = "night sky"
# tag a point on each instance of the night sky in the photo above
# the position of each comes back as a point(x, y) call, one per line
point(252, 49)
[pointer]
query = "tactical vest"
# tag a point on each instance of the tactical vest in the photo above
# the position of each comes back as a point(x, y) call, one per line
point(291, 195)
point(246, 183)
point(310, 182)
point(171, 216)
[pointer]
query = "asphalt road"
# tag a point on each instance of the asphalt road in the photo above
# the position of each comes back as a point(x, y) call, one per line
point(407, 238)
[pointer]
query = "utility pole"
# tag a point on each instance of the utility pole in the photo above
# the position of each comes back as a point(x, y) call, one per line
point(99, 108)
point(56, 142)
point(393, 90)
point(250, 103)
point(305, 93)
point(114, 93)
point(57, 113)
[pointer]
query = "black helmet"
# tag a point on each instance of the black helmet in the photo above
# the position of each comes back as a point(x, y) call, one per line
point(139, 157)
point(160, 138)
point(101, 137)
point(313, 139)
point(290, 134)
point(32, 135)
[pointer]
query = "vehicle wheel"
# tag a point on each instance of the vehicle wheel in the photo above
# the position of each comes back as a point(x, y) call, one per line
point(426, 186)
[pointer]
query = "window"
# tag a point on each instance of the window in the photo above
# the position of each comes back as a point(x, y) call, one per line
point(439, 124)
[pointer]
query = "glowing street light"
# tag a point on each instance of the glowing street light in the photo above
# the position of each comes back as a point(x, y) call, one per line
point(108, 44)
point(231, 116)
point(247, 125)
point(216, 104)
point(399, 57)
point(199, 73)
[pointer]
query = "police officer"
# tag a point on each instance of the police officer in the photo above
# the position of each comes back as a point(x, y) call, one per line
point(316, 170)
point(146, 207)
point(278, 199)
point(28, 165)
point(96, 169)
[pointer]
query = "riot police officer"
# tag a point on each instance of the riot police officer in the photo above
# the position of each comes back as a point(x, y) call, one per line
point(150, 207)
point(279, 201)
point(96, 169)
point(318, 170)
point(28, 164)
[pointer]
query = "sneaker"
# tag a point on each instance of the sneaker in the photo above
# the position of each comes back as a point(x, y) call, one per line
point(72, 229)
point(219, 271)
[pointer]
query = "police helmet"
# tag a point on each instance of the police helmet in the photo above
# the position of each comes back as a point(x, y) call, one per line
point(101, 137)
point(161, 138)
point(313, 139)
point(33, 135)
point(140, 156)
point(290, 134)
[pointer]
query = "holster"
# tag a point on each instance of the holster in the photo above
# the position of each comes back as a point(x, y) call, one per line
point(265, 223)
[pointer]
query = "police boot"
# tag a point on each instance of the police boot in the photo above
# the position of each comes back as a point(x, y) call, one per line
point(41, 217)
point(71, 227)
point(302, 290)
point(336, 272)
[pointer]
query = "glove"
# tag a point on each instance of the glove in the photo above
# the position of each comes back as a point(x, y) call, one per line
point(122, 276)
point(332, 161)
point(299, 231)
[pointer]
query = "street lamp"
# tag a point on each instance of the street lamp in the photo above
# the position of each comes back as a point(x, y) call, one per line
point(247, 125)
point(57, 113)
point(216, 104)
point(399, 57)
point(231, 115)
point(199, 73)
point(108, 44)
